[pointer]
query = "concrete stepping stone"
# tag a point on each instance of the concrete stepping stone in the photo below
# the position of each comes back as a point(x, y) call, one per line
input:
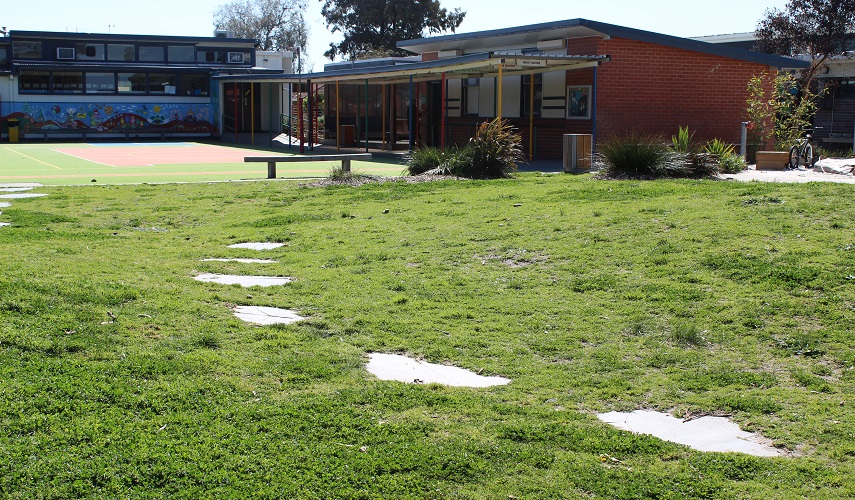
point(702, 434)
point(257, 246)
point(267, 315)
point(14, 189)
point(4, 204)
point(242, 261)
point(244, 281)
point(411, 371)
point(4, 224)
point(18, 196)
point(28, 185)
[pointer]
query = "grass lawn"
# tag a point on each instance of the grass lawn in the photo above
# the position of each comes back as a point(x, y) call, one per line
point(121, 376)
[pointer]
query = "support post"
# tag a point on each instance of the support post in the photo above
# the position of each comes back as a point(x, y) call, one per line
point(444, 112)
point(531, 118)
point(743, 142)
point(271, 170)
point(345, 165)
point(311, 109)
point(410, 114)
point(337, 118)
point(499, 105)
point(383, 115)
point(366, 115)
point(252, 113)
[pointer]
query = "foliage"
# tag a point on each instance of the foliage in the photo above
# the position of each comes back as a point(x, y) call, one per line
point(276, 24)
point(735, 304)
point(816, 28)
point(493, 152)
point(788, 109)
point(684, 141)
point(731, 164)
point(373, 28)
point(635, 155)
point(427, 158)
point(719, 148)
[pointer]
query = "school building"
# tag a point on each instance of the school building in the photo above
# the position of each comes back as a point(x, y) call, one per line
point(565, 77)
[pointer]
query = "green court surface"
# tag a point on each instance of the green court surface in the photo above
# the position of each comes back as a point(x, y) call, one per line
point(130, 163)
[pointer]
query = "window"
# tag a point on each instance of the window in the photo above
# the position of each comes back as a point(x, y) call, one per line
point(34, 82)
point(90, 51)
point(4, 58)
point(470, 95)
point(67, 82)
point(193, 84)
point(97, 83)
point(526, 94)
point(161, 83)
point(210, 56)
point(181, 53)
point(132, 83)
point(120, 52)
point(238, 58)
point(27, 50)
point(149, 53)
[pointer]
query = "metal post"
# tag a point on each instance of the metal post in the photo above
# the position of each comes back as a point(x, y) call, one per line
point(252, 113)
point(743, 142)
point(290, 116)
point(236, 96)
point(410, 114)
point(383, 116)
point(531, 118)
point(311, 109)
point(337, 119)
point(499, 110)
point(444, 112)
point(366, 115)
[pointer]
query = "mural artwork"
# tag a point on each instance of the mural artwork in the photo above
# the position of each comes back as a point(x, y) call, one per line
point(113, 117)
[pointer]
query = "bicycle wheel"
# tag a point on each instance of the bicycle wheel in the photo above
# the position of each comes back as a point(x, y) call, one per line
point(794, 157)
point(808, 156)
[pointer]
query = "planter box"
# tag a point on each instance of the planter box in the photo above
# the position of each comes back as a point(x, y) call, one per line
point(772, 160)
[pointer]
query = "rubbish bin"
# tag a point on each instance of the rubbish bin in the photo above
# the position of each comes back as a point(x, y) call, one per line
point(12, 124)
point(577, 153)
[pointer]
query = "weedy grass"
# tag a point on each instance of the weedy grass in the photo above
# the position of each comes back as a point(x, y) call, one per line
point(121, 376)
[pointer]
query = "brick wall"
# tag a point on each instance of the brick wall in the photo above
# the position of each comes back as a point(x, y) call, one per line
point(655, 88)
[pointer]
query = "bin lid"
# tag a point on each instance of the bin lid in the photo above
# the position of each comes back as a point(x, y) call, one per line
point(12, 121)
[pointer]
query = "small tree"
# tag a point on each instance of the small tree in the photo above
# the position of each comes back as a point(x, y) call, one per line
point(372, 28)
point(276, 24)
point(787, 109)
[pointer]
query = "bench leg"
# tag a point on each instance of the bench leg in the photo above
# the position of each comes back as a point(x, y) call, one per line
point(271, 170)
point(345, 165)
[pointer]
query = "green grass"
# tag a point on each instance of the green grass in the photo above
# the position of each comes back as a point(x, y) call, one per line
point(121, 376)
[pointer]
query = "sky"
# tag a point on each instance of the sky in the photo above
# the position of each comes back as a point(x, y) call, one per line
point(195, 17)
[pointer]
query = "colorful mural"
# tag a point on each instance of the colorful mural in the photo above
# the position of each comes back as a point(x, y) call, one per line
point(112, 117)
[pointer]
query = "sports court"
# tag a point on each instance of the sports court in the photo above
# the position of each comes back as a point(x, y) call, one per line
point(130, 163)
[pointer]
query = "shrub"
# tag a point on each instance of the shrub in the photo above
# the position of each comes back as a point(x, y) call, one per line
point(493, 152)
point(732, 164)
point(424, 159)
point(728, 161)
point(719, 148)
point(633, 154)
point(684, 141)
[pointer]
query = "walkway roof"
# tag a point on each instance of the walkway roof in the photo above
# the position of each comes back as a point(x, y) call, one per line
point(485, 64)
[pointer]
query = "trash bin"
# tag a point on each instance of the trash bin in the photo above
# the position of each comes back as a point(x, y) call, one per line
point(577, 153)
point(12, 124)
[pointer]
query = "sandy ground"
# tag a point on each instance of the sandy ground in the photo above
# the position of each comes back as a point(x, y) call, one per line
point(826, 170)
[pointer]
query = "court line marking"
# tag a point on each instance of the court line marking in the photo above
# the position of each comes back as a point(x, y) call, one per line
point(34, 159)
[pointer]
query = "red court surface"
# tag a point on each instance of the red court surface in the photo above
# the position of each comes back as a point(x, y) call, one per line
point(144, 155)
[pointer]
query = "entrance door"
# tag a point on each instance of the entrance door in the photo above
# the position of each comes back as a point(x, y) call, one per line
point(242, 113)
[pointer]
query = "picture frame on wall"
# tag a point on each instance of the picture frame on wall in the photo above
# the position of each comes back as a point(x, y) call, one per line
point(579, 102)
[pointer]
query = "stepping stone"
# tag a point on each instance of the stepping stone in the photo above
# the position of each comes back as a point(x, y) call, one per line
point(244, 281)
point(702, 434)
point(4, 204)
point(242, 261)
point(28, 185)
point(4, 224)
point(14, 189)
point(267, 315)
point(257, 246)
point(21, 195)
point(411, 371)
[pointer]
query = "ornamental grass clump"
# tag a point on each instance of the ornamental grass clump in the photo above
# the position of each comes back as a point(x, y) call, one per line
point(635, 155)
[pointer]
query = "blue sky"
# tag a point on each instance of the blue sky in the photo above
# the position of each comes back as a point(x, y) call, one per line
point(195, 18)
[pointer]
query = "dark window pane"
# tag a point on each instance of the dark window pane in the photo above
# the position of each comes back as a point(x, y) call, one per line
point(90, 51)
point(31, 82)
point(121, 52)
point(181, 53)
point(151, 53)
point(100, 83)
point(67, 82)
point(27, 50)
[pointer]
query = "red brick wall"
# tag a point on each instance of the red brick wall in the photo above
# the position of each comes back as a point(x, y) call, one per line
point(654, 88)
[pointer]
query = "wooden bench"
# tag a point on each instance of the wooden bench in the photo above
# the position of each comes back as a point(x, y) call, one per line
point(271, 161)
